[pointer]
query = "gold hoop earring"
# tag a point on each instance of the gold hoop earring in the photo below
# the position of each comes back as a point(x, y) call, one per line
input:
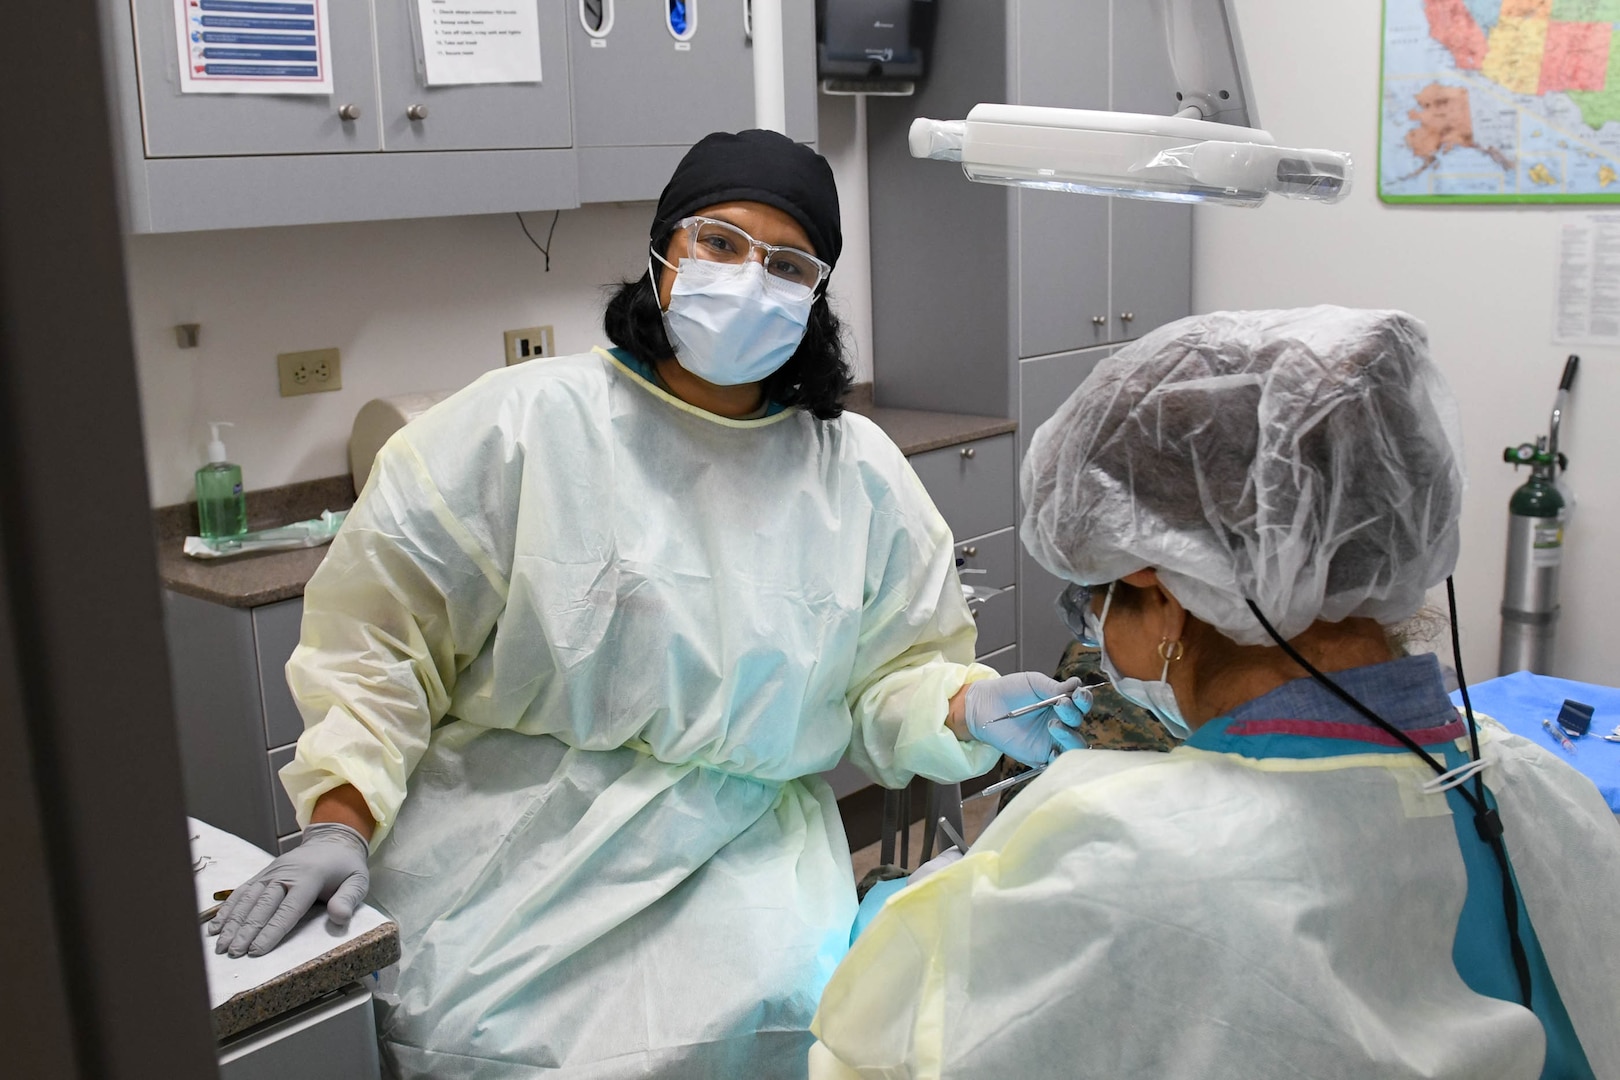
point(1171, 651)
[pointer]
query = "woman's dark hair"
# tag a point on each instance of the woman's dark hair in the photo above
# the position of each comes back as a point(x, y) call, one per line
point(815, 378)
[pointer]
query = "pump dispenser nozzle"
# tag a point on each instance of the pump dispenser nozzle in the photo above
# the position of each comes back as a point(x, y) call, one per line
point(216, 448)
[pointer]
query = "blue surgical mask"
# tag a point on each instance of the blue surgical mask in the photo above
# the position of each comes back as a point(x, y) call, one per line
point(1157, 696)
point(730, 323)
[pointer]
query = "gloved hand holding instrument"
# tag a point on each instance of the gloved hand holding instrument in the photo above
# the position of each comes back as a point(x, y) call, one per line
point(328, 864)
point(1027, 716)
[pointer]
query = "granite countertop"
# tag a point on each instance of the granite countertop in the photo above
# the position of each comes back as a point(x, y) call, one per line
point(247, 581)
point(348, 963)
point(917, 432)
point(312, 961)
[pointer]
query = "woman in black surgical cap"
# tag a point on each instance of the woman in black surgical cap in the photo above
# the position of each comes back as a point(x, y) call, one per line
point(581, 649)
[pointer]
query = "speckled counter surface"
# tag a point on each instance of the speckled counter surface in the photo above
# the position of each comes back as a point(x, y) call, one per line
point(313, 960)
point(251, 580)
point(917, 432)
point(350, 962)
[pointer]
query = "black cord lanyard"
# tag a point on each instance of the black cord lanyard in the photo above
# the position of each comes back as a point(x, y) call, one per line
point(1487, 822)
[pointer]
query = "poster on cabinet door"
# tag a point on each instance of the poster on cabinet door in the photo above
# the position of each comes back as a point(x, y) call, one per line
point(253, 46)
point(478, 42)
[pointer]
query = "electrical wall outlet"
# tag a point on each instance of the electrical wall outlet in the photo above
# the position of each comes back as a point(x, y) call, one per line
point(310, 372)
point(529, 343)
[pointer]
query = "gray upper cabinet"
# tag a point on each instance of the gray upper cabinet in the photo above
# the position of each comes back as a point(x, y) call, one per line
point(1094, 270)
point(1049, 272)
point(616, 107)
point(1062, 240)
point(209, 125)
point(1151, 262)
point(1151, 257)
point(637, 84)
point(515, 116)
point(644, 93)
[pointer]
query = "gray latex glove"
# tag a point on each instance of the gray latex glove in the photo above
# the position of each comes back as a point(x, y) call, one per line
point(1036, 737)
point(328, 864)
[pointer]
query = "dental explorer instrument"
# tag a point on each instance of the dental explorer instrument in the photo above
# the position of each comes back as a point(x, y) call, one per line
point(1048, 703)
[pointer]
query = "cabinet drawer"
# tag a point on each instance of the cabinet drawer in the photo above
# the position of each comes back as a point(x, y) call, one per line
point(286, 820)
point(997, 619)
point(275, 635)
point(996, 555)
point(972, 485)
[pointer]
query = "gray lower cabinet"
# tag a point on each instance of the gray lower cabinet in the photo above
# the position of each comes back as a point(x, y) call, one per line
point(972, 486)
point(1045, 384)
point(236, 717)
point(333, 1039)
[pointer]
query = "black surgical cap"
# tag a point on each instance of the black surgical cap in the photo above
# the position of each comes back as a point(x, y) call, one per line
point(756, 166)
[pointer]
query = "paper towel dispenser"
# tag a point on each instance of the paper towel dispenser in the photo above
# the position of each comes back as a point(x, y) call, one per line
point(376, 423)
point(873, 46)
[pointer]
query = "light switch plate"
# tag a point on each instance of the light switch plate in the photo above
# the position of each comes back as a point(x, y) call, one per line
point(310, 372)
point(529, 343)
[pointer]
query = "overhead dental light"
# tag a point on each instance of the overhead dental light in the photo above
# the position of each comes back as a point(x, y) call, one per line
point(1207, 152)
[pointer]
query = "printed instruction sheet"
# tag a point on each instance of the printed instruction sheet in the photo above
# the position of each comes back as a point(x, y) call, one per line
point(472, 42)
point(254, 46)
point(1589, 281)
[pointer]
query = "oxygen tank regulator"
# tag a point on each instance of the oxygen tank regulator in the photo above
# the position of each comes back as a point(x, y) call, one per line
point(1536, 517)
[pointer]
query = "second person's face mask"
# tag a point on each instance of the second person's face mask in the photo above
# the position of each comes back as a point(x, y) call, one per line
point(729, 325)
point(1157, 696)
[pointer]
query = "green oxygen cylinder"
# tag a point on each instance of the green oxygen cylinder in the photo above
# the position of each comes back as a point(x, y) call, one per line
point(1536, 517)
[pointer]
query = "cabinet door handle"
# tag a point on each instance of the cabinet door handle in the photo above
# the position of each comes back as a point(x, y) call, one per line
point(349, 112)
point(417, 112)
point(969, 452)
point(970, 552)
point(1126, 316)
point(1099, 320)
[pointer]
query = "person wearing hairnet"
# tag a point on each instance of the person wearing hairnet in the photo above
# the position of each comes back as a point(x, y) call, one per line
point(1336, 875)
point(577, 655)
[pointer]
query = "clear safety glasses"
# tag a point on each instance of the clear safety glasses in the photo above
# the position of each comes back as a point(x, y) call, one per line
point(1074, 608)
point(719, 241)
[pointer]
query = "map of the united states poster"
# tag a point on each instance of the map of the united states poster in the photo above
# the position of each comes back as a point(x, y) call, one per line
point(1501, 100)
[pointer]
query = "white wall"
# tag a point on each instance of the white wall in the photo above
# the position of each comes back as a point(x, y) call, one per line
point(414, 305)
point(1481, 277)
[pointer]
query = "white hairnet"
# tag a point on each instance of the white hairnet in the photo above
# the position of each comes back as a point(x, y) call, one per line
point(1307, 459)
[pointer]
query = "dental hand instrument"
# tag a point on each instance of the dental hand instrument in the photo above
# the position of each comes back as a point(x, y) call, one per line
point(1080, 697)
point(1003, 785)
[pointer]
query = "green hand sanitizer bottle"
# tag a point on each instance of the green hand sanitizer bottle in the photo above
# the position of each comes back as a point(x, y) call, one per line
point(221, 505)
